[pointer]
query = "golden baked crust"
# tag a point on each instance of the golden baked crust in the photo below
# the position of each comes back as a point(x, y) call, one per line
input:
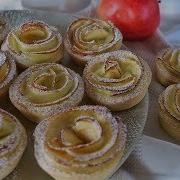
point(168, 66)
point(13, 141)
point(44, 89)
point(34, 42)
point(87, 37)
point(84, 142)
point(169, 110)
point(7, 72)
point(118, 80)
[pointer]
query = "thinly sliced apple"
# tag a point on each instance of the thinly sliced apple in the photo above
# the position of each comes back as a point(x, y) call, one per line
point(112, 69)
point(88, 130)
point(170, 101)
point(39, 88)
point(69, 138)
point(97, 34)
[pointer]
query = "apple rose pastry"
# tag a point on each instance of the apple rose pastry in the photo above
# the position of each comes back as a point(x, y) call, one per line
point(169, 110)
point(13, 142)
point(117, 80)
point(81, 143)
point(7, 72)
point(86, 38)
point(44, 89)
point(168, 66)
point(33, 43)
point(4, 28)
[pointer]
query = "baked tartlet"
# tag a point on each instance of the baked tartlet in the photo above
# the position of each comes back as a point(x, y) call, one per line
point(87, 37)
point(4, 28)
point(169, 110)
point(7, 72)
point(13, 141)
point(168, 66)
point(45, 89)
point(34, 42)
point(81, 143)
point(118, 80)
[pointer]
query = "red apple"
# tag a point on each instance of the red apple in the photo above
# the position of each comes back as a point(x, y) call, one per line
point(136, 19)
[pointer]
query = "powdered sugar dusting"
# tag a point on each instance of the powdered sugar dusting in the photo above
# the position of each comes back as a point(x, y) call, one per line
point(26, 53)
point(7, 58)
point(134, 118)
point(43, 110)
point(84, 159)
point(2, 59)
point(1, 121)
point(14, 142)
point(73, 37)
point(106, 92)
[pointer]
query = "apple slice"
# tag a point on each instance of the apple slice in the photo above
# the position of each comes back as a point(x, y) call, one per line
point(112, 69)
point(170, 101)
point(69, 138)
point(87, 129)
point(97, 34)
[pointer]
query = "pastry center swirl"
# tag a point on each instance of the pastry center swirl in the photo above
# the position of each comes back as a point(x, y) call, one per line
point(91, 36)
point(48, 86)
point(35, 42)
point(115, 75)
point(84, 130)
point(33, 33)
point(82, 135)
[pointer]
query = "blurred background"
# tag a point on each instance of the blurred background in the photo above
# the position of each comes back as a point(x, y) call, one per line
point(170, 12)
